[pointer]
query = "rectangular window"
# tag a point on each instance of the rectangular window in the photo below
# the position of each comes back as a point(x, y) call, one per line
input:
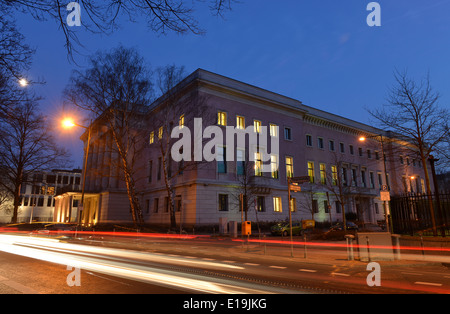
point(258, 164)
point(289, 167)
point(273, 130)
point(363, 178)
point(257, 126)
point(369, 154)
point(222, 118)
point(360, 152)
point(155, 205)
point(342, 147)
point(352, 152)
point(240, 122)
point(288, 134)
point(223, 202)
point(160, 132)
point(277, 204)
point(344, 176)
point(221, 159)
point(181, 122)
point(334, 175)
point(274, 166)
point(331, 145)
point(377, 210)
point(323, 173)
point(311, 171)
point(315, 206)
point(150, 170)
point(293, 204)
point(309, 140)
point(372, 180)
point(320, 142)
point(261, 203)
point(380, 180)
point(326, 208)
point(354, 177)
point(240, 162)
point(338, 207)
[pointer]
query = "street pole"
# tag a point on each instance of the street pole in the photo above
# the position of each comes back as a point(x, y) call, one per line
point(290, 215)
point(84, 172)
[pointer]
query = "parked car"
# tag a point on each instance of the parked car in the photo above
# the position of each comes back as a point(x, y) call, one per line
point(340, 226)
point(283, 229)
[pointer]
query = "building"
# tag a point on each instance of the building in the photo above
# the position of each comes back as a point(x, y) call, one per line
point(38, 194)
point(345, 174)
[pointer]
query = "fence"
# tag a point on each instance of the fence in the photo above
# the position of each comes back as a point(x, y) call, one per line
point(411, 213)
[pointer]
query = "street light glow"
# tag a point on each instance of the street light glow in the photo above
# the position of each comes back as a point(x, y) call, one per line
point(362, 138)
point(68, 123)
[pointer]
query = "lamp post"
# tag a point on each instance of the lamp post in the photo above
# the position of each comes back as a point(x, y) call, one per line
point(386, 189)
point(69, 123)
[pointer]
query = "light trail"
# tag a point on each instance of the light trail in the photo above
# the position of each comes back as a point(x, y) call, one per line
point(90, 258)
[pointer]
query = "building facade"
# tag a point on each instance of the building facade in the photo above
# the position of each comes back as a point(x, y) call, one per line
point(39, 193)
point(346, 174)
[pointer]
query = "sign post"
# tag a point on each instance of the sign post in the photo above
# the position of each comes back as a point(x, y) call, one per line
point(293, 185)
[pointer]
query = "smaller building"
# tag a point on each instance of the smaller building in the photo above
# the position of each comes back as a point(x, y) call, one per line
point(38, 194)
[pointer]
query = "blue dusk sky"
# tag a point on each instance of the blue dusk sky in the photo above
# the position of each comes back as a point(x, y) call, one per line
point(322, 53)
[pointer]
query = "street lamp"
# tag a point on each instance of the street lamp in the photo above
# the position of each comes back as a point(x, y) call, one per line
point(386, 203)
point(23, 82)
point(68, 123)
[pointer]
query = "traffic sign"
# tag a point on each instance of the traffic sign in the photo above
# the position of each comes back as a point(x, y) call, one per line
point(295, 188)
point(385, 196)
point(300, 179)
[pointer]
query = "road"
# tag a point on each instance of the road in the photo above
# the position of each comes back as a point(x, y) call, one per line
point(196, 266)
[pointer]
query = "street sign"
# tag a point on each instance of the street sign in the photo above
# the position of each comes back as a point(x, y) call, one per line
point(385, 196)
point(295, 188)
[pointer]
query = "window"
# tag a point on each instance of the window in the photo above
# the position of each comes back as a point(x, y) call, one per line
point(240, 162)
point(377, 210)
point(323, 173)
point(325, 206)
point(260, 204)
point(257, 126)
point(158, 176)
point(380, 180)
point(369, 153)
point(401, 160)
point(334, 175)
point(293, 204)
point(377, 155)
point(331, 145)
point(315, 206)
point(181, 122)
point(166, 204)
point(311, 171)
point(258, 164)
point(240, 122)
point(223, 202)
point(344, 176)
point(363, 178)
point(160, 132)
point(289, 167)
point(354, 177)
point(352, 152)
point(372, 180)
point(360, 152)
point(338, 207)
point(274, 166)
point(320, 142)
point(221, 159)
point(150, 170)
point(222, 118)
point(288, 134)
point(273, 130)
point(277, 204)
point(309, 140)
point(155, 205)
point(40, 202)
point(342, 147)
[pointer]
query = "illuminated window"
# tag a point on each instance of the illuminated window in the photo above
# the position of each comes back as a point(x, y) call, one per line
point(181, 121)
point(274, 166)
point(257, 126)
point(222, 118)
point(152, 137)
point(258, 164)
point(334, 175)
point(240, 122)
point(323, 174)
point(277, 204)
point(273, 130)
point(311, 171)
point(289, 167)
point(160, 132)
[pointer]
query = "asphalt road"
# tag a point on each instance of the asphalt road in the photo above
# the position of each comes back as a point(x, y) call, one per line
point(166, 266)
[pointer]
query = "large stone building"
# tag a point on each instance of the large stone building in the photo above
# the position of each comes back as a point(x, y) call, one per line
point(342, 169)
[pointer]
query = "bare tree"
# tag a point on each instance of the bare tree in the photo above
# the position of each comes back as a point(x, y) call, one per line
point(26, 146)
point(307, 198)
point(103, 16)
point(115, 91)
point(413, 113)
point(176, 109)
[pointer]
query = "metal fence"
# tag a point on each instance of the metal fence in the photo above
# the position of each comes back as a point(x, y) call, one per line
point(411, 213)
